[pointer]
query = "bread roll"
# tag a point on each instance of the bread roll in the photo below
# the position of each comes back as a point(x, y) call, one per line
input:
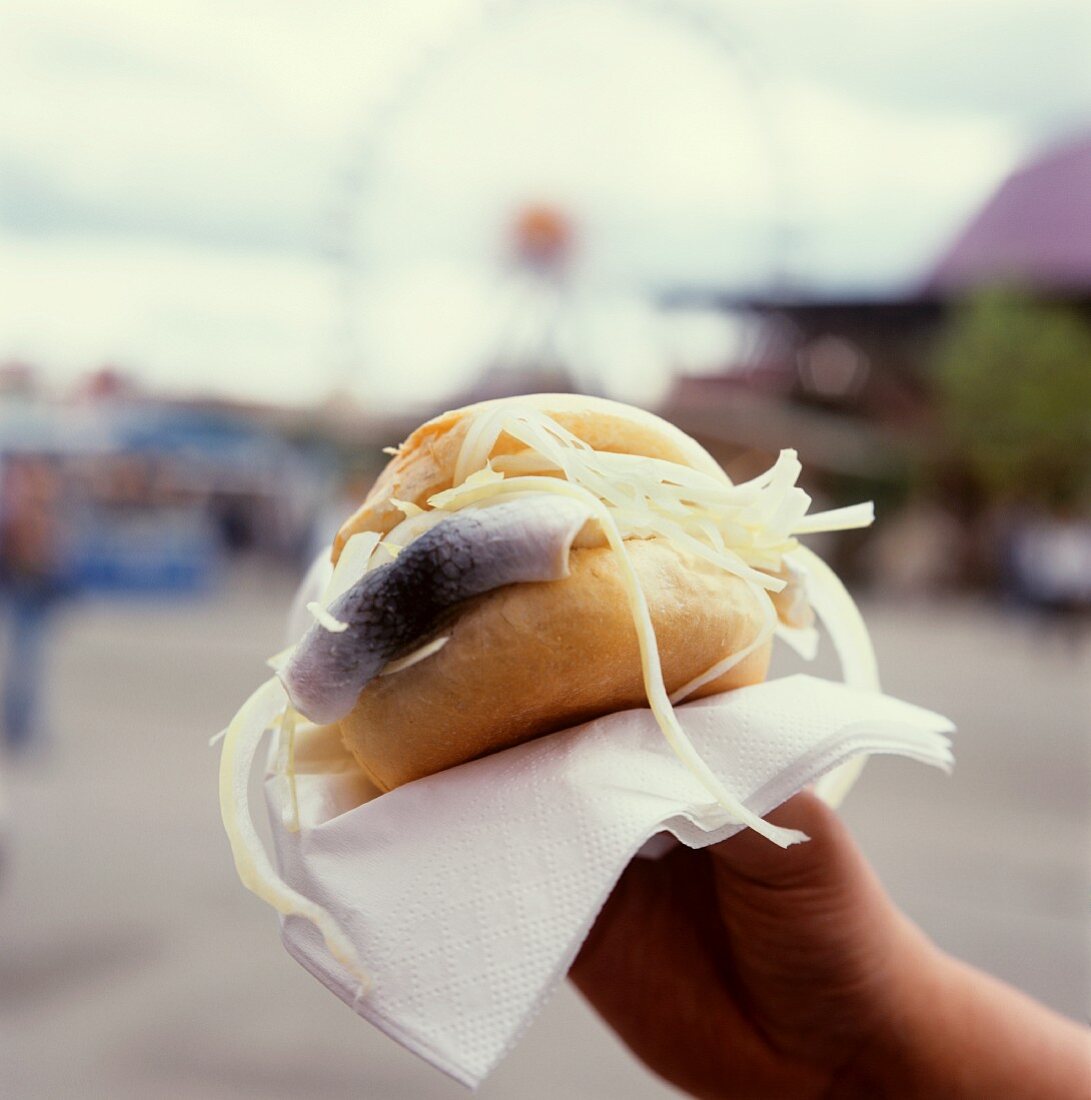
point(533, 658)
point(530, 659)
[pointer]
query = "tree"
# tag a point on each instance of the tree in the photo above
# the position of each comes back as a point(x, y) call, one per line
point(1014, 381)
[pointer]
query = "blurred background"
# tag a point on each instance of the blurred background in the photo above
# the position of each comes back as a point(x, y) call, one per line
point(244, 247)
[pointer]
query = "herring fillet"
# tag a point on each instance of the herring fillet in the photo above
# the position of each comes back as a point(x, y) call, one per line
point(392, 608)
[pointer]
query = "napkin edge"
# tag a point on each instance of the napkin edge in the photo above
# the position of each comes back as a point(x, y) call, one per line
point(332, 980)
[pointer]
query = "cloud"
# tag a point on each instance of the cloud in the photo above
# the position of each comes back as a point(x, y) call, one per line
point(171, 174)
point(184, 318)
point(1023, 59)
point(877, 191)
point(201, 121)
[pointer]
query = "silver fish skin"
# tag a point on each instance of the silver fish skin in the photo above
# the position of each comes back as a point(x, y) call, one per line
point(392, 609)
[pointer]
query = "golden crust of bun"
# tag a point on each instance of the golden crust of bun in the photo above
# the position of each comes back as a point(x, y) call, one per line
point(425, 462)
point(530, 659)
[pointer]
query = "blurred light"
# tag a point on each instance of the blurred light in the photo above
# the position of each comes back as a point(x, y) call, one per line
point(711, 341)
point(543, 237)
point(832, 367)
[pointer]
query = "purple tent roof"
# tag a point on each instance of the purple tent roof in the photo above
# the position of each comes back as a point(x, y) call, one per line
point(1036, 229)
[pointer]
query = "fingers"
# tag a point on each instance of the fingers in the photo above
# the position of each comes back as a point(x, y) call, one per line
point(815, 940)
point(657, 969)
point(748, 969)
point(815, 898)
point(651, 929)
point(643, 969)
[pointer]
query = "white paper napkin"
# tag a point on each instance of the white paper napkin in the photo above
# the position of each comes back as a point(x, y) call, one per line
point(467, 894)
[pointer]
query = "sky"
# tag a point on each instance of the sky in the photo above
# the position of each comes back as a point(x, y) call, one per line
point(271, 199)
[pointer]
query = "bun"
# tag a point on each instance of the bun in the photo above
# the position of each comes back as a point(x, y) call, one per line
point(530, 659)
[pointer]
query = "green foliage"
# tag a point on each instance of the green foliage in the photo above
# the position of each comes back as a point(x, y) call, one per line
point(1014, 379)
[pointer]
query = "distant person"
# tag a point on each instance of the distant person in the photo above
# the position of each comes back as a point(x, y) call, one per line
point(1052, 560)
point(748, 971)
point(919, 550)
point(31, 584)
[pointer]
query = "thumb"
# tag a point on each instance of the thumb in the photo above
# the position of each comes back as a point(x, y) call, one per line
point(814, 936)
point(828, 860)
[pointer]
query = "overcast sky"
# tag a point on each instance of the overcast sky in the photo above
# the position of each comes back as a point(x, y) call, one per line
point(174, 175)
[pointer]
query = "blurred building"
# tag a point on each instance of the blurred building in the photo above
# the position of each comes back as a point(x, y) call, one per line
point(155, 494)
point(823, 364)
point(1035, 232)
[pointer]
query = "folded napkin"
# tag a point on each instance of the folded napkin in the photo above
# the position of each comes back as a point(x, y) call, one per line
point(468, 894)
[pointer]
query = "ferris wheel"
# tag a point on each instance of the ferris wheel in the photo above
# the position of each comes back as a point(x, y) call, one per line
point(533, 302)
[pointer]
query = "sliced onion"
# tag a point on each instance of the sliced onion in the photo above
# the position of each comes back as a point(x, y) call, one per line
point(418, 655)
point(286, 767)
point(255, 870)
point(406, 507)
point(351, 565)
point(841, 617)
point(859, 668)
point(325, 619)
point(802, 639)
point(763, 635)
point(837, 519)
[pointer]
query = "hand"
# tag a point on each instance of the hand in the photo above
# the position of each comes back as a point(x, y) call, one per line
point(745, 970)
point(748, 970)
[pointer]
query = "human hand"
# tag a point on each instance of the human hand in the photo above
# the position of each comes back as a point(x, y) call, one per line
point(745, 970)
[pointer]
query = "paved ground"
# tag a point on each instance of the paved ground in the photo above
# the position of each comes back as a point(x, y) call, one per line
point(133, 965)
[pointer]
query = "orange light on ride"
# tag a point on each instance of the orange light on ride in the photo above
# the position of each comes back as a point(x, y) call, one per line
point(543, 236)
